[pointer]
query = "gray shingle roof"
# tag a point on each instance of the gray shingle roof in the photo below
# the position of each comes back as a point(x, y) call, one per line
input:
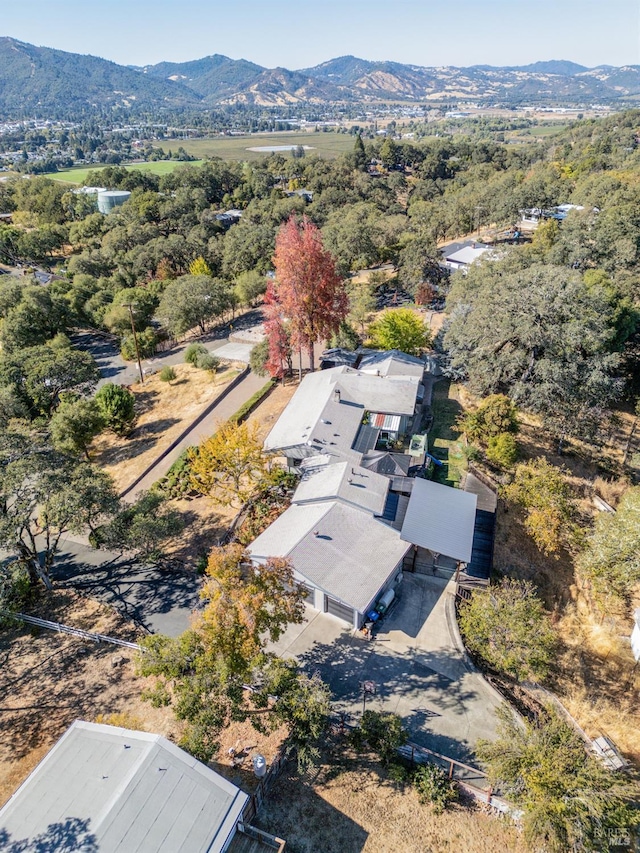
point(342, 550)
point(138, 792)
point(341, 481)
point(441, 519)
point(326, 411)
point(391, 363)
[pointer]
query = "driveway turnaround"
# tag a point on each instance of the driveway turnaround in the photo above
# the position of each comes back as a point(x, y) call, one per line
point(413, 665)
point(158, 599)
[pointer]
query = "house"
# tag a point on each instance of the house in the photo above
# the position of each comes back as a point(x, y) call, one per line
point(349, 535)
point(229, 217)
point(306, 195)
point(346, 412)
point(345, 553)
point(464, 255)
point(130, 791)
point(531, 217)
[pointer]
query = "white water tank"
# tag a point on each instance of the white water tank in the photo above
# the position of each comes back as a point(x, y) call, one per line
point(383, 605)
point(109, 200)
point(259, 766)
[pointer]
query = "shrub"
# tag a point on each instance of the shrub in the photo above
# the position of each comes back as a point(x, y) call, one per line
point(167, 374)
point(383, 732)
point(15, 587)
point(193, 351)
point(206, 361)
point(434, 786)
point(259, 357)
point(502, 450)
point(117, 407)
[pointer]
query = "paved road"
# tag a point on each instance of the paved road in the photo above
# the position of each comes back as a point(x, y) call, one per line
point(222, 412)
point(114, 368)
point(158, 599)
point(415, 663)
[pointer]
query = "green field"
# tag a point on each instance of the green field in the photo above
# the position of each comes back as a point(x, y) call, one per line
point(79, 175)
point(235, 147)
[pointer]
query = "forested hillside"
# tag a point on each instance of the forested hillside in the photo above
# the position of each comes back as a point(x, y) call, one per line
point(48, 83)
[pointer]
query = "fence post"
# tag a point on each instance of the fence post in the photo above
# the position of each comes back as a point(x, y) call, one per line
point(451, 770)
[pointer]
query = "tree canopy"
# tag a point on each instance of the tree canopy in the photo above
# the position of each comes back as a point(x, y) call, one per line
point(203, 673)
point(540, 335)
point(570, 801)
point(308, 288)
point(402, 329)
point(45, 494)
point(610, 560)
point(507, 627)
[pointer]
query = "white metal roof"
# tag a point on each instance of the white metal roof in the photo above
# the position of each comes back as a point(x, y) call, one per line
point(467, 255)
point(344, 551)
point(441, 519)
point(137, 793)
point(352, 484)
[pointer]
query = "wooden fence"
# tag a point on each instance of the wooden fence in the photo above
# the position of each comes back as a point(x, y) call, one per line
point(257, 798)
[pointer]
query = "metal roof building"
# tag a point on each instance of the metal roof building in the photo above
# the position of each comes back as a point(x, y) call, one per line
point(134, 792)
point(441, 519)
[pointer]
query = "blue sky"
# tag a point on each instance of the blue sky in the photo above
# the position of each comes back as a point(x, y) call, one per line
point(299, 33)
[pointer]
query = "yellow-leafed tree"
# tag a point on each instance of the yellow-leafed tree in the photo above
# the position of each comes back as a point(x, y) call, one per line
point(230, 464)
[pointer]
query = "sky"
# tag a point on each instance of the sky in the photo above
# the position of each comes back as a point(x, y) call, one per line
point(301, 33)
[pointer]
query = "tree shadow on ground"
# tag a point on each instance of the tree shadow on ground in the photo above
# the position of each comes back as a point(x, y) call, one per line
point(53, 692)
point(410, 684)
point(145, 400)
point(155, 598)
point(293, 810)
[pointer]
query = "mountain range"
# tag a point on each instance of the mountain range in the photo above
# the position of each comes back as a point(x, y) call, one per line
point(46, 82)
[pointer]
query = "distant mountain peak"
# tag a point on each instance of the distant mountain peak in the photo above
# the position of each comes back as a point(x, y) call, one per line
point(49, 83)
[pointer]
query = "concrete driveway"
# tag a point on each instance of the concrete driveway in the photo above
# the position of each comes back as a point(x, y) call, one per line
point(418, 671)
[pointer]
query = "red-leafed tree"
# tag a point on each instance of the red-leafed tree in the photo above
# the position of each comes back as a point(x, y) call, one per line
point(279, 360)
point(308, 289)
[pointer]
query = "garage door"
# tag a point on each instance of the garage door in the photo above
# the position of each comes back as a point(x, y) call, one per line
point(337, 608)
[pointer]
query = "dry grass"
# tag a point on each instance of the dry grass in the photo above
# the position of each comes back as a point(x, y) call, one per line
point(349, 805)
point(205, 523)
point(48, 680)
point(595, 679)
point(164, 410)
point(593, 674)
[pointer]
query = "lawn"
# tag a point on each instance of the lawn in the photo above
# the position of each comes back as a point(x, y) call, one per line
point(235, 147)
point(445, 442)
point(78, 175)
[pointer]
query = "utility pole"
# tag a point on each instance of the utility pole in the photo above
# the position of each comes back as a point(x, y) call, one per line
point(129, 305)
